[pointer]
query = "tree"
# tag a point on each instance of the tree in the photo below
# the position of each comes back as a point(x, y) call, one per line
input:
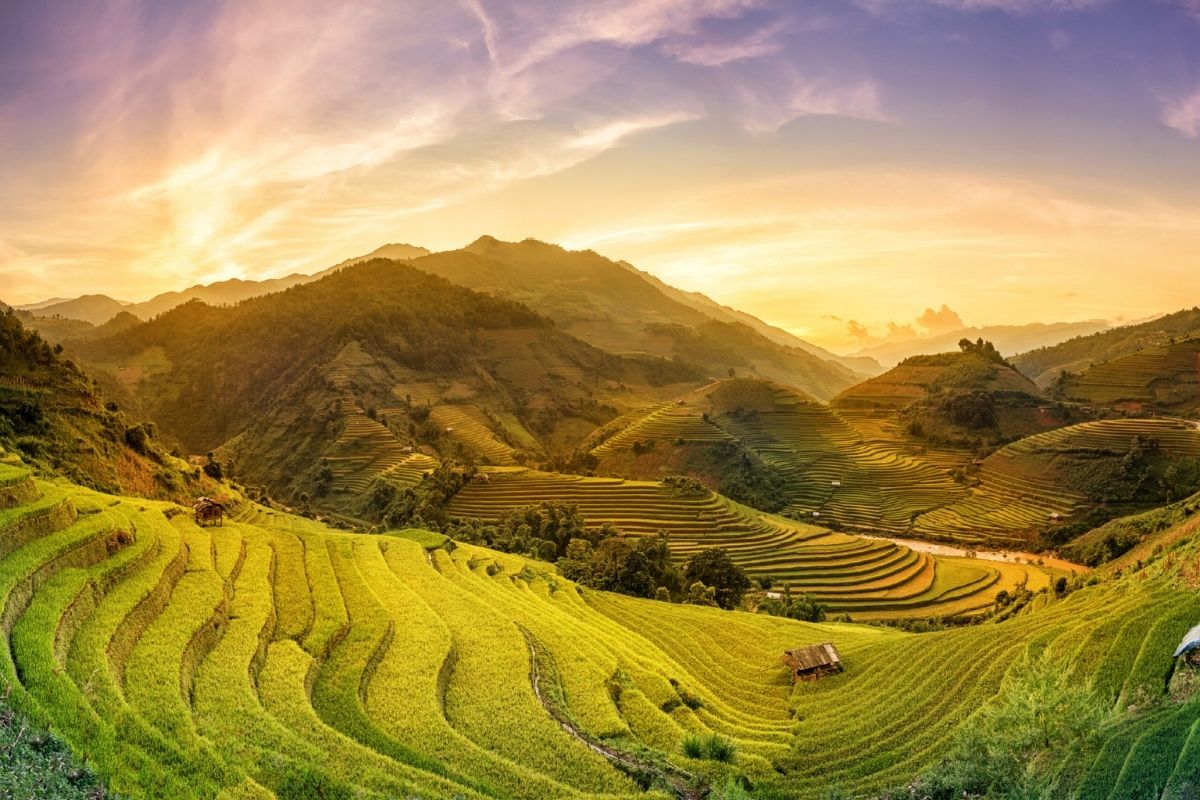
point(701, 595)
point(715, 569)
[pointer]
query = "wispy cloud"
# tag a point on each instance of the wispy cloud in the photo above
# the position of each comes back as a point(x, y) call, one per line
point(1189, 7)
point(1010, 6)
point(1183, 114)
point(256, 138)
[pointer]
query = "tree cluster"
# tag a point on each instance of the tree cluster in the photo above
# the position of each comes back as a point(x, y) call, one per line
point(982, 348)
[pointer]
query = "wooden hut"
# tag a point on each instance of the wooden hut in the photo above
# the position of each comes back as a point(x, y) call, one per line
point(208, 511)
point(812, 662)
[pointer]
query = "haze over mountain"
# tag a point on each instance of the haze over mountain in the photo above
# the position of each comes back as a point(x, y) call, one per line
point(1008, 339)
point(99, 309)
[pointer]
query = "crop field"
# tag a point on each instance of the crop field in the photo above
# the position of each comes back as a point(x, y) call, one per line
point(272, 657)
point(869, 578)
point(667, 422)
point(855, 477)
point(1168, 375)
point(365, 450)
point(467, 424)
point(1021, 486)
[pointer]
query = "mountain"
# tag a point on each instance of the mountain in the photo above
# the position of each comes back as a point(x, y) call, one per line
point(42, 304)
point(918, 378)
point(956, 403)
point(1008, 339)
point(377, 367)
point(705, 304)
point(94, 308)
point(1045, 364)
point(608, 304)
point(620, 310)
point(98, 309)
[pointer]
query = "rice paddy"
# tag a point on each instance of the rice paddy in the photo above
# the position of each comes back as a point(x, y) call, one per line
point(272, 657)
point(870, 578)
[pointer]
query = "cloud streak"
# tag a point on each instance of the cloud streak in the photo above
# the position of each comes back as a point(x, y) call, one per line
point(258, 138)
point(1183, 115)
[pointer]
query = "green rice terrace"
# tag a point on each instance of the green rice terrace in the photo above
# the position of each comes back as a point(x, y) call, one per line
point(272, 657)
point(1046, 479)
point(1166, 376)
point(869, 578)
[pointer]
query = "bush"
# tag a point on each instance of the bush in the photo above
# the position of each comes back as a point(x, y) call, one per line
point(718, 748)
point(692, 746)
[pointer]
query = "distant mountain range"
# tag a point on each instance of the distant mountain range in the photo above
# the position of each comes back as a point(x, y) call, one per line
point(98, 309)
point(609, 304)
point(1008, 339)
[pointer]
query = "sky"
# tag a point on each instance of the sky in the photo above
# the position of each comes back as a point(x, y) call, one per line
point(831, 166)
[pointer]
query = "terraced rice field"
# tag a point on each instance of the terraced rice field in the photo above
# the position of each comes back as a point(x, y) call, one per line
point(1168, 375)
point(667, 422)
point(365, 450)
point(1021, 486)
point(469, 425)
point(273, 658)
point(870, 578)
point(840, 472)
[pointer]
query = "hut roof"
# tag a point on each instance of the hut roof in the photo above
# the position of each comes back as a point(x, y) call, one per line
point(814, 656)
point(1191, 642)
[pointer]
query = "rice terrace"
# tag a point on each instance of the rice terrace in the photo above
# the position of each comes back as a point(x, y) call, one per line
point(609, 400)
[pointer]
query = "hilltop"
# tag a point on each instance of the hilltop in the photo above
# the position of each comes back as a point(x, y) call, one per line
point(1044, 365)
point(970, 400)
point(621, 311)
point(1008, 339)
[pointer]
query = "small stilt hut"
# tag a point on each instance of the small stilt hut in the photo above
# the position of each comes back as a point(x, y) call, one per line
point(813, 661)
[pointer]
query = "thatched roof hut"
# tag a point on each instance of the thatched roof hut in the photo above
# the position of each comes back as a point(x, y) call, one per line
point(813, 661)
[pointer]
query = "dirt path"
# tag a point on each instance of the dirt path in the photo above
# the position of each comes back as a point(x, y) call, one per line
point(679, 783)
point(1009, 556)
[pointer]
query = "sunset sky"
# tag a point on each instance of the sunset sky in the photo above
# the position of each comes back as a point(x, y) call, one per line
point(810, 162)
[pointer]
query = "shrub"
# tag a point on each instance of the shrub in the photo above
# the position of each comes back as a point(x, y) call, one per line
point(718, 748)
point(693, 746)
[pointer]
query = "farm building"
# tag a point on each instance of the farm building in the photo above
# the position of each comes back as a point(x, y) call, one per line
point(209, 511)
point(1190, 646)
point(813, 661)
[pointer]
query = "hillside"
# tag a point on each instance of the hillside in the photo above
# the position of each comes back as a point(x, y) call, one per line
point(779, 449)
point(274, 658)
point(621, 311)
point(1164, 378)
point(1009, 339)
point(723, 313)
point(869, 579)
point(52, 415)
point(1040, 489)
point(1044, 365)
point(350, 375)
